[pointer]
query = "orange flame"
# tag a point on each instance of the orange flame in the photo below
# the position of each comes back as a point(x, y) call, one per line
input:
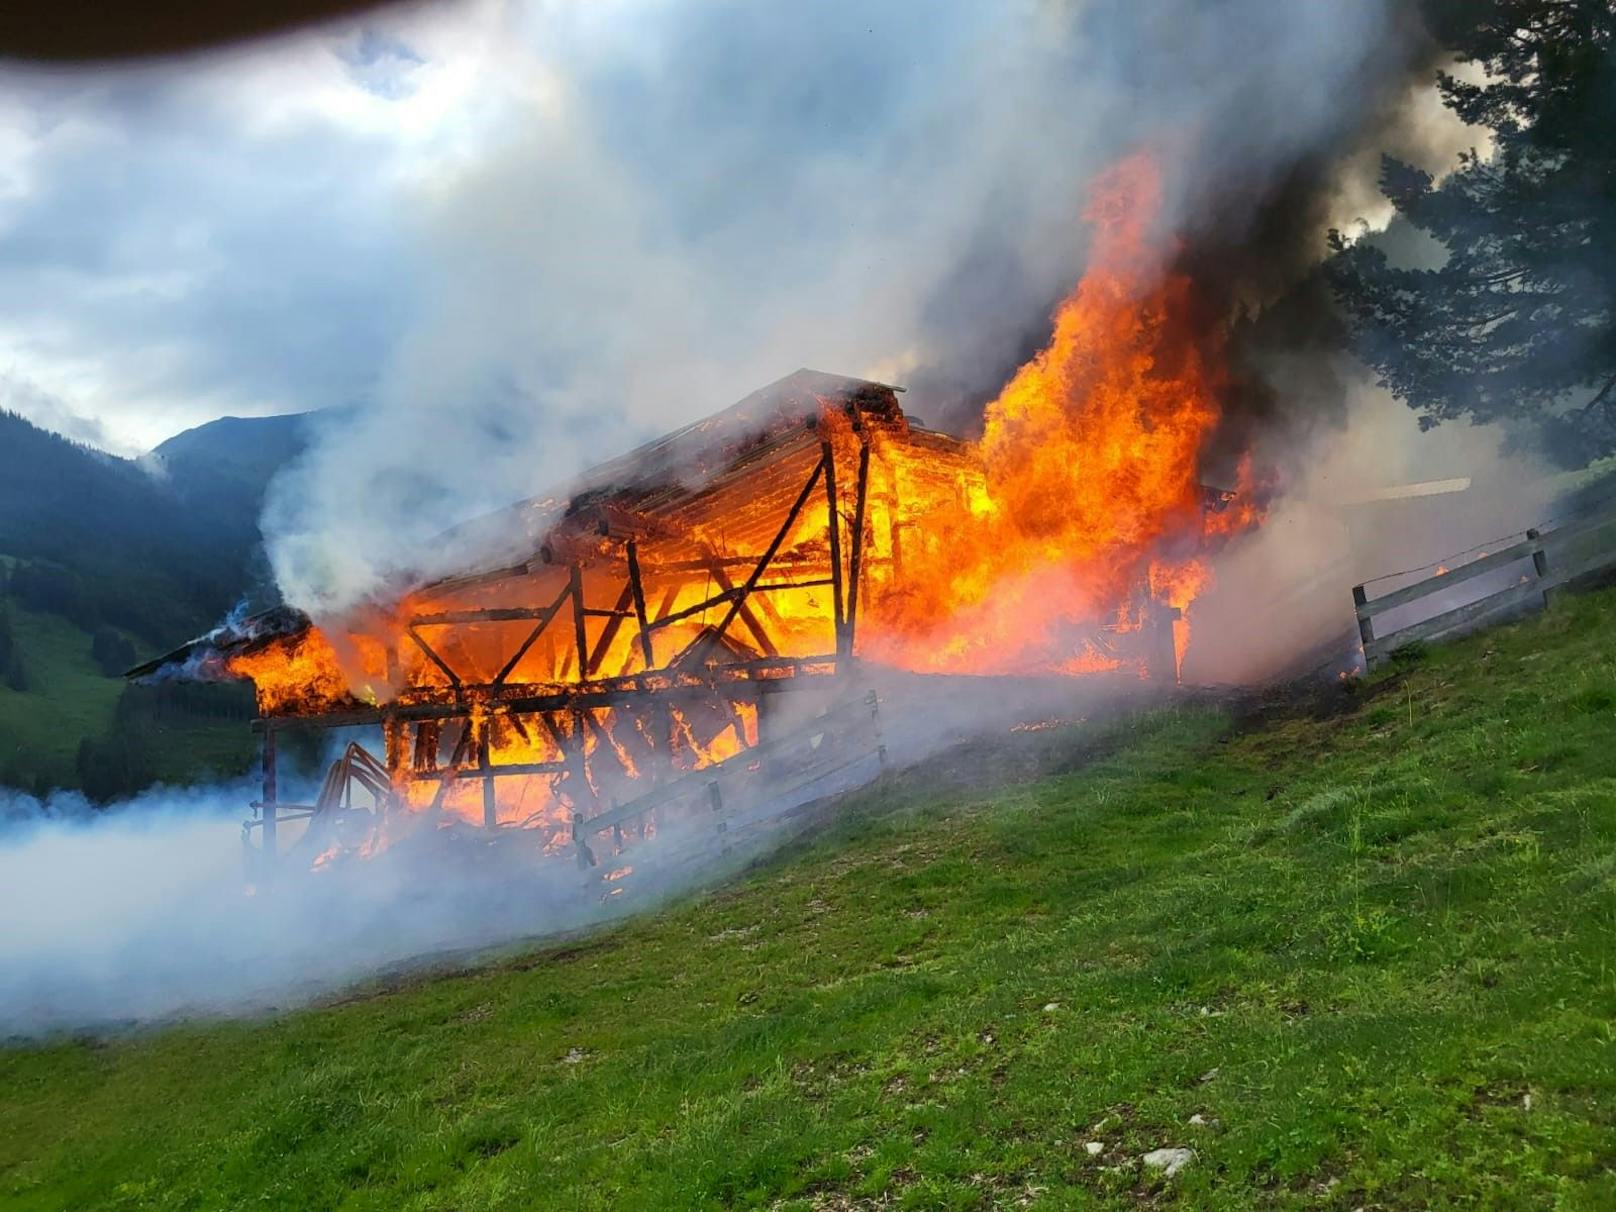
point(1091, 455)
point(1049, 545)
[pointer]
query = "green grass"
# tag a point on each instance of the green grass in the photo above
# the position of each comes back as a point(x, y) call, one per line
point(1374, 948)
point(69, 698)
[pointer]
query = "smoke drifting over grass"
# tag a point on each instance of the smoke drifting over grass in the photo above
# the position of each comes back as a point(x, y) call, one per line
point(143, 912)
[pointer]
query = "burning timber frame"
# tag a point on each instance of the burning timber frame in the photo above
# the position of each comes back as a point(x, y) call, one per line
point(814, 485)
point(604, 560)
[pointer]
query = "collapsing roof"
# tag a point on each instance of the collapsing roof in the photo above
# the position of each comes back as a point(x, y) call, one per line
point(672, 470)
point(659, 490)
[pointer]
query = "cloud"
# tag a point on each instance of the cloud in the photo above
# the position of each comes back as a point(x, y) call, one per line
point(205, 237)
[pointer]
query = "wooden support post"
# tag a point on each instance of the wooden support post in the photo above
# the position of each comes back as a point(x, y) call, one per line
point(393, 751)
point(425, 753)
point(1540, 562)
point(856, 558)
point(1366, 625)
point(637, 587)
point(395, 754)
point(490, 806)
point(715, 799)
point(1170, 616)
point(575, 582)
point(268, 805)
point(765, 714)
point(833, 528)
point(574, 754)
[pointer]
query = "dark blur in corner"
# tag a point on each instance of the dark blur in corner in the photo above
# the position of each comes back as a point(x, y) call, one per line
point(68, 31)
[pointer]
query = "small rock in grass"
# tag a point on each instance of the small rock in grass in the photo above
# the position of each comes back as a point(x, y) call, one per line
point(1526, 1102)
point(574, 1056)
point(1051, 1007)
point(1095, 1148)
point(1209, 1075)
point(1168, 1161)
point(1198, 1119)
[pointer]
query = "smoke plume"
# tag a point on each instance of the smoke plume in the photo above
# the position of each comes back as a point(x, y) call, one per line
point(679, 203)
point(685, 202)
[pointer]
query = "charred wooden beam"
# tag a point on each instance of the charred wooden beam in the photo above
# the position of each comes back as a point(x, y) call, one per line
point(425, 755)
point(487, 772)
point(580, 635)
point(544, 618)
point(833, 529)
point(267, 811)
point(748, 615)
point(485, 768)
point(856, 558)
point(574, 758)
point(454, 678)
point(603, 643)
point(637, 588)
point(757, 572)
point(612, 692)
point(489, 614)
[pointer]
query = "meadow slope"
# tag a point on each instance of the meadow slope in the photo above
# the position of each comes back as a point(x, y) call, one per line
point(1352, 952)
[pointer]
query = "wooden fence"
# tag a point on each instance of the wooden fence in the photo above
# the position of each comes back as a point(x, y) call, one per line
point(1548, 559)
point(734, 806)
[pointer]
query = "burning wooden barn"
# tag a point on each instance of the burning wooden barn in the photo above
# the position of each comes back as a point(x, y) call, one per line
point(625, 670)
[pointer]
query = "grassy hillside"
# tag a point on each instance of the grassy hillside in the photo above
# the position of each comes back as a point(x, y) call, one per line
point(157, 551)
point(69, 698)
point(1352, 953)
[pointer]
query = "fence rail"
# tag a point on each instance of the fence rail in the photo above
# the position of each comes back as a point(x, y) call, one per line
point(1573, 548)
point(708, 813)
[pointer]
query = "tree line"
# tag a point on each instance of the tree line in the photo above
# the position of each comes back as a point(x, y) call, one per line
point(1518, 320)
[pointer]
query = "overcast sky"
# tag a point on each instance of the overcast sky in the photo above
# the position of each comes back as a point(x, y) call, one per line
point(564, 208)
point(224, 234)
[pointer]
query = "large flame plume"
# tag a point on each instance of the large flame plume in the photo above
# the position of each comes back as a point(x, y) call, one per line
point(1078, 511)
point(1091, 458)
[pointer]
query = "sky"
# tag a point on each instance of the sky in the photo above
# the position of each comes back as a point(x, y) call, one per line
point(541, 206)
point(223, 234)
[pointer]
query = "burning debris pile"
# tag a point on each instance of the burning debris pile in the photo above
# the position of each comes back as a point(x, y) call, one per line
point(646, 624)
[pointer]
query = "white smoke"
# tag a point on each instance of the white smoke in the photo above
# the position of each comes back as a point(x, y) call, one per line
point(674, 204)
point(147, 911)
point(1281, 604)
point(151, 911)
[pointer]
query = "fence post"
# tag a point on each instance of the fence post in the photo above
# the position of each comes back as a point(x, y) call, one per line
point(268, 809)
point(716, 798)
point(1366, 625)
point(874, 700)
point(1540, 561)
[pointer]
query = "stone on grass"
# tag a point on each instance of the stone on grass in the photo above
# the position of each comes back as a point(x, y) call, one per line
point(1095, 1148)
point(1168, 1161)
